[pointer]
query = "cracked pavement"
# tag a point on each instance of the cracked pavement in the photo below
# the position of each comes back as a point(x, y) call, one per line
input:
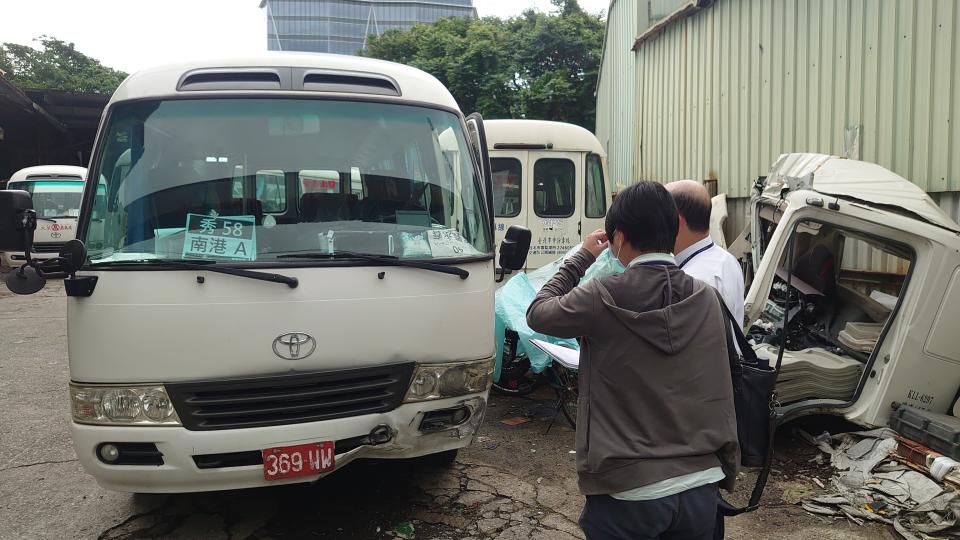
point(513, 482)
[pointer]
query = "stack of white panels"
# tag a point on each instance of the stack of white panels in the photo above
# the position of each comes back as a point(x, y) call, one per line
point(860, 336)
point(813, 374)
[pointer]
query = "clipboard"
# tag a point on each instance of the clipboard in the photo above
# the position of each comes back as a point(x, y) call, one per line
point(567, 357)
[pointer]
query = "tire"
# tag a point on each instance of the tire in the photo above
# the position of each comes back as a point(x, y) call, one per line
point(565, 384)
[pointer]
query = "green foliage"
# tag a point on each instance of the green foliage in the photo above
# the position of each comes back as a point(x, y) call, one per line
point(536, 65)
point(57, 65)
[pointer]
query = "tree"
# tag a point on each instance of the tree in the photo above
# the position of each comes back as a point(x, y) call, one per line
point(536, 65)
point(57, 65)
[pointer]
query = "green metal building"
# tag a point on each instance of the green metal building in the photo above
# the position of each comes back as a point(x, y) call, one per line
point(717, 89)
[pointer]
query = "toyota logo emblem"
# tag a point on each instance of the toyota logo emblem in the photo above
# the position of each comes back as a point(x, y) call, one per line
point(294, 345)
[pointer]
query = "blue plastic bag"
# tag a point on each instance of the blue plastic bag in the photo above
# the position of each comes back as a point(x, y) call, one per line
point(513, 299)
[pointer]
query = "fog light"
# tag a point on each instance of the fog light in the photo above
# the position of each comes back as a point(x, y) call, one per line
point(444, 419)
point(109, 453)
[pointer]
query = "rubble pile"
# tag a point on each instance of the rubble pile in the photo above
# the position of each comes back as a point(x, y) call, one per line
point(871, 485)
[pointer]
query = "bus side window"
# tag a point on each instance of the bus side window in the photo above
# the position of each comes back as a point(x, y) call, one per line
point(596, 197)
point(553, 187)
point(507, 186)
point(272, 191)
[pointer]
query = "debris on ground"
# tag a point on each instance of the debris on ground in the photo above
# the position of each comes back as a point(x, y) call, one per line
point(937, 465)
point(871, 485)
point(515, 421)
point(404, 530)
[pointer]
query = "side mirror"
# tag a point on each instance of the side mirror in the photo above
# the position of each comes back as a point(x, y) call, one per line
point(17, 221)
point(73, 255)
point(513, 249)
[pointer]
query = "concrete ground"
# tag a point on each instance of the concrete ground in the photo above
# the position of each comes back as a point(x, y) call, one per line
point(513, 483)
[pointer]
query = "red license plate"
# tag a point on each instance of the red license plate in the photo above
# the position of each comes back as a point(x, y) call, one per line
point(297, 460)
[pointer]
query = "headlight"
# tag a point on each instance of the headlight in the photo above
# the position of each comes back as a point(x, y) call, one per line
point(129, 405)
point(436, 381)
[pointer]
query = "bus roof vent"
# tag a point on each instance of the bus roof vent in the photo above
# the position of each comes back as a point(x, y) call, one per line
point(350, 82)
point(231, 79)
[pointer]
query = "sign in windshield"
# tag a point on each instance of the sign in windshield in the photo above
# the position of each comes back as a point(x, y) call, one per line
point(211, 237)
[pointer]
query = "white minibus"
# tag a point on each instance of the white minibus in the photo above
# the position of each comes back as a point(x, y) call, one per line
point(55, 191)
point(291, 266)
point(550, 177)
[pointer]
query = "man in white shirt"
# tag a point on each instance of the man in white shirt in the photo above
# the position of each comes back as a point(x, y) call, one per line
point(696, 253)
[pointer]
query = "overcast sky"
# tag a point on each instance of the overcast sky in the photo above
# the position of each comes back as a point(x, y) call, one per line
point(134, 34)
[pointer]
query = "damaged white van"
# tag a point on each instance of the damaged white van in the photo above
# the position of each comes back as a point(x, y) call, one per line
point(292, 267)
point(857, 277)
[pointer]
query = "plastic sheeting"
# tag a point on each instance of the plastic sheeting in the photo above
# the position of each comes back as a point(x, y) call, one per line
point(517, 294)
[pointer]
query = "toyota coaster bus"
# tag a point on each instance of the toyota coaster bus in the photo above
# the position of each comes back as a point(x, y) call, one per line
point(292, 267)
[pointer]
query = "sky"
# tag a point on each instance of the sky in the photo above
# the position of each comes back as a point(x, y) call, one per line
point(134, 34)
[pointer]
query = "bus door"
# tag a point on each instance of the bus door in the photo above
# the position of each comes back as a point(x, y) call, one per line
point(555, 198)
point(508, 169)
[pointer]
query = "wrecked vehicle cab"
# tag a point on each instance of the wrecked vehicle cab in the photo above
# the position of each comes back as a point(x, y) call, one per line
point(870, 316)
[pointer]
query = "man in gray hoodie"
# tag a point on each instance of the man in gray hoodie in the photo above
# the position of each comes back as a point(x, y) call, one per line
point(656, 426)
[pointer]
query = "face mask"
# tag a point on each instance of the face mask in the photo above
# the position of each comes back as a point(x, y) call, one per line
point(617, 253)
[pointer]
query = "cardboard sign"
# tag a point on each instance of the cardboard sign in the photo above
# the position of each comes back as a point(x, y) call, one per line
point(215, 237)
point(448, 243)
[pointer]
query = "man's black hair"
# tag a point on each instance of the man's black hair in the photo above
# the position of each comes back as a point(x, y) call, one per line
point(646, 215)
point(693, 209)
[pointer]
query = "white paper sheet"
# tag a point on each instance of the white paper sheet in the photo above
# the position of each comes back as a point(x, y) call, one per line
point(568, 358)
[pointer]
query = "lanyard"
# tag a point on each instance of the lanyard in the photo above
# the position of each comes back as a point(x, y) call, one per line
point(695, 253)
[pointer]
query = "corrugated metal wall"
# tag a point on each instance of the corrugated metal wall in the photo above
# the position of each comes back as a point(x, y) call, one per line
point(616, 92)
point(950, 203)
point(722, 93)
point(659, 9)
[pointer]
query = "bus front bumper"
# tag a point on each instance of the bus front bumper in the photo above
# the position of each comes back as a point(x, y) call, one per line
point(15, 259)
point(182, 471)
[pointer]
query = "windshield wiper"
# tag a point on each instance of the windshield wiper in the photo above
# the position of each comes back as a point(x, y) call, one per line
point(210, 266)
point(389, 260)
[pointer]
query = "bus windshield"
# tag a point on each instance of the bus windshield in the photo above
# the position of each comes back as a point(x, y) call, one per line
point(52, 199)
point(251, 180)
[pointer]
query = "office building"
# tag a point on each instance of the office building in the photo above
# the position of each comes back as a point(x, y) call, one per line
point(344, 26)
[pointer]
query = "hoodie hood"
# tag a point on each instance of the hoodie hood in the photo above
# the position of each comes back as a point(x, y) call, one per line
point(669, 329)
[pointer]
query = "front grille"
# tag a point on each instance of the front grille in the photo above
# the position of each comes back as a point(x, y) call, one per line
point(48, 248)
point(289, 398)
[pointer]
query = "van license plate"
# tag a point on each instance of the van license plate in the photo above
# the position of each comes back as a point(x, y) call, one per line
point(298, 460)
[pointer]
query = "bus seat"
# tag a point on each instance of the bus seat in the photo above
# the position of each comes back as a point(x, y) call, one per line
point(319, 207)
point(234, 207)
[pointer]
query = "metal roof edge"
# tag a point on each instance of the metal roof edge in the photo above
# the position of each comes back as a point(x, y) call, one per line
point(27, 104)
point(682, 12)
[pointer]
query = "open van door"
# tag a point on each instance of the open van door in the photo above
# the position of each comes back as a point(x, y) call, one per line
point(596, 195)
point(478, 138)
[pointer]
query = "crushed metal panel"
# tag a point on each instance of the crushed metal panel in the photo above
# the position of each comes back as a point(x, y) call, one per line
point(868, 182)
